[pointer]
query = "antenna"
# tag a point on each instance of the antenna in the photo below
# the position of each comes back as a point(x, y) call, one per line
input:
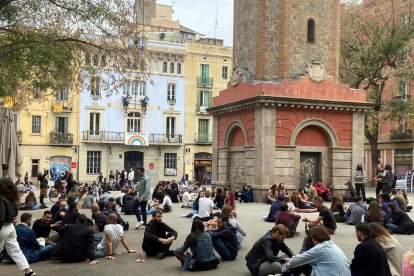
point(215, 24)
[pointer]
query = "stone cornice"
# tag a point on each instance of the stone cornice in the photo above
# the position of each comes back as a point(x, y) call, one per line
point(284, 102)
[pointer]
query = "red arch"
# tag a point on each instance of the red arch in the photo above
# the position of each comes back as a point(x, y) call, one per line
point(236, 137)
point(312, 136)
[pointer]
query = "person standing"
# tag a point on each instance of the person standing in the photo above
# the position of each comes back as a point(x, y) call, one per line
point(360, 177)
point(263, 258)
point(131, 176)
point(378, 178)
point(9, 198)
point(144, 193)
point(369, 256)
point(387, 179)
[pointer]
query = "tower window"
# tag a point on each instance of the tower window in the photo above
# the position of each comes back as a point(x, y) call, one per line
point(311, 30)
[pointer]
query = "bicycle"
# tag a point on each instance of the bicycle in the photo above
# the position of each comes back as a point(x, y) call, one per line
point(55, 193)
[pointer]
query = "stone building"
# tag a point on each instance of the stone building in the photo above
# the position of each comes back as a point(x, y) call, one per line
point(284, 118)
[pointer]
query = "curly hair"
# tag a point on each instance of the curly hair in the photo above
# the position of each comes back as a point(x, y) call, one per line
point(9, 190)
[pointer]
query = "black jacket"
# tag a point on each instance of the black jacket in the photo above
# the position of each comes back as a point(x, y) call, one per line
point(265, 249)
point(229, 236)
point(154, 231)
point(403, 221)
point(370, 259)
point(8, 211)
point(75, 243)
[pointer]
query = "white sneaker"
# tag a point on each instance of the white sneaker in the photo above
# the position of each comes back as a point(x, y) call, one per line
point(183, 215)
point(139, 224)
point(142, 226)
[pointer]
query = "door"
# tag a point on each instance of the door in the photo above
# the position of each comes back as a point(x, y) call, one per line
point(205, 74)
point(134, 160)
point(203, 131)
point(309, 167)
point(170, 128)
point(94, 125)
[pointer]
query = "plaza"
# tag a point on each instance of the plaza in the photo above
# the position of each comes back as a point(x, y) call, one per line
point(249, 216)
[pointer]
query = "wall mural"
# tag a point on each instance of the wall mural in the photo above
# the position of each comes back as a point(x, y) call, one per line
point(58, 166)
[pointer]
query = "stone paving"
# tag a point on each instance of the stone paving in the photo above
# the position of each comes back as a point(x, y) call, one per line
point(249, 216)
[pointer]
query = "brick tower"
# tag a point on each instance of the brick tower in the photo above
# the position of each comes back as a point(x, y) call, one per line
point(277, 39)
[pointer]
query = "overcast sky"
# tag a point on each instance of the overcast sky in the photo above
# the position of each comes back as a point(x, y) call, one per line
point(199, 15)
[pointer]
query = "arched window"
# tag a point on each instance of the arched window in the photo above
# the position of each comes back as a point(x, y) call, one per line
point(164, 67)
point(179, 68)
point(311, 30)
point(172, 67)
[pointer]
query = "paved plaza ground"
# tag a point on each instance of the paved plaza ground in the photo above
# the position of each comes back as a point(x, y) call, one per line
point(249, 216)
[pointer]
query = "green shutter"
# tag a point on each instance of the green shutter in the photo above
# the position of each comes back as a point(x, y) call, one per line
point(210, 100)
point(198, 101)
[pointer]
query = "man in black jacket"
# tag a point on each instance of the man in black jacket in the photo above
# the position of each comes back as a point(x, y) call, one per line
point(76, 242)
point(369, 256)
point(158, 237)
point(225, 239)
point(263, 258)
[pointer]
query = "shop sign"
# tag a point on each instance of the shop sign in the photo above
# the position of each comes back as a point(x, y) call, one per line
point(203, 162)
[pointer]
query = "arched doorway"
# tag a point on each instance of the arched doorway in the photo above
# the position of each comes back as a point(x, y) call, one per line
point(236, 141)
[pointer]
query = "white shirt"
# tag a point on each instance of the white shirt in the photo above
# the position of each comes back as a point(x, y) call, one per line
point(131, 175)
point(186, 198)
point(116, 231)
point(204, 206)
point(166, 201)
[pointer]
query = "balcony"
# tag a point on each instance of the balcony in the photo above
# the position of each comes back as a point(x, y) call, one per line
point(103, 136)
point(119, 137)
point(57, 138)
point(60, 106)
point(204, 82)
point(401, 135)
point(203, 138)
point(159, 139)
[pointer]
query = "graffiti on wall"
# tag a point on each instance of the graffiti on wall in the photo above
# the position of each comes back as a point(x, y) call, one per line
point(58, 166)
point(307, 168)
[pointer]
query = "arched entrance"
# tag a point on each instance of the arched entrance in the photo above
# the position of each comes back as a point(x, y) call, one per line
point(236, 142)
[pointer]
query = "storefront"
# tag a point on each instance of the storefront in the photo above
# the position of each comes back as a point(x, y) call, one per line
point(202, 171)
point(403, 161)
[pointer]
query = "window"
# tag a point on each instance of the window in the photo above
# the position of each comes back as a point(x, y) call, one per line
point(35, 167)
point(179, 68)
point(36, 124)
point(171, 93)
point(311, 31)
point(170, 127)
point(224, 72)
point(404, 90)
point(94, 123)
point(103, 61)
point(164, 67)
point(135, 88)
point(61, 125)
point(62, 94)
point(205, 73)
point(141, 89)
point(95, 83)
point(203, 130)
point(172, 67)
point(93, 162)
point(405, 19)
point(170, 164)
point(134, 122)
point(96, 60)
point(204, 100)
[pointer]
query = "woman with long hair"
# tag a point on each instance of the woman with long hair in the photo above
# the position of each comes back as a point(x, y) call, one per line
point(230, 200)
point(391, 246)
point(360, 178)
point(408, 263)
point(387, 179)
point(281, 190)
point(374, 214)
point(9, 199)
point(201, 257)
point(271, 194)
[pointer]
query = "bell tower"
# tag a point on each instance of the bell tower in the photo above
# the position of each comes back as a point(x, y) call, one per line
point(279, 39)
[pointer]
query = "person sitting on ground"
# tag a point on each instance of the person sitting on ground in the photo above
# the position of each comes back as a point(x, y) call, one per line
point(205, 207)
point(383, 200)
point(241, 234)
point(338, 209)
point(128, 202)
point(30, 203)
point(55, 207)
point(402, 204)
point(400, 223)
point(272, 194)
point(219, 199)
point(407, 200)
point(100, 221)
point(408, 263)
point(60, 213)
point(26, 238)
point(356, 211)
point(186, 198)
point(287, 219)
point(300, 203)
point(172, 193)
point(201, 257)
point(87, 200)
point(325, 216)
point(263, 258)
point(391, 245)
point(166, 204)
point(375, 214)
point(244, 194)
point(322, 190)
point(325, 258)
point(113, 235)
point(230, 201)
point(71, 214)
point(369, 256)
point(158, 237)
point(42, 228)
point(271, 217)
point(225, 239)
point(281, 190)
point(196, 206)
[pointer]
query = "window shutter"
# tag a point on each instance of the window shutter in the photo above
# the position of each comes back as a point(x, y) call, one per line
point(210, 99)
point(198, 100)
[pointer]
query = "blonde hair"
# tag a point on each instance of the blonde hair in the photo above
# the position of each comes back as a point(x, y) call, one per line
point(410, 256)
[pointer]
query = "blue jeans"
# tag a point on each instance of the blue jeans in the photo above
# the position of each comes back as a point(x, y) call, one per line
point(44, 251)
point(140, 209)
point(394, 228)
point(222, 250)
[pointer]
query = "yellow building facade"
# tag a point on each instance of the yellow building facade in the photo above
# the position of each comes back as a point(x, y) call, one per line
point(48, 135)
point(208, 70)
